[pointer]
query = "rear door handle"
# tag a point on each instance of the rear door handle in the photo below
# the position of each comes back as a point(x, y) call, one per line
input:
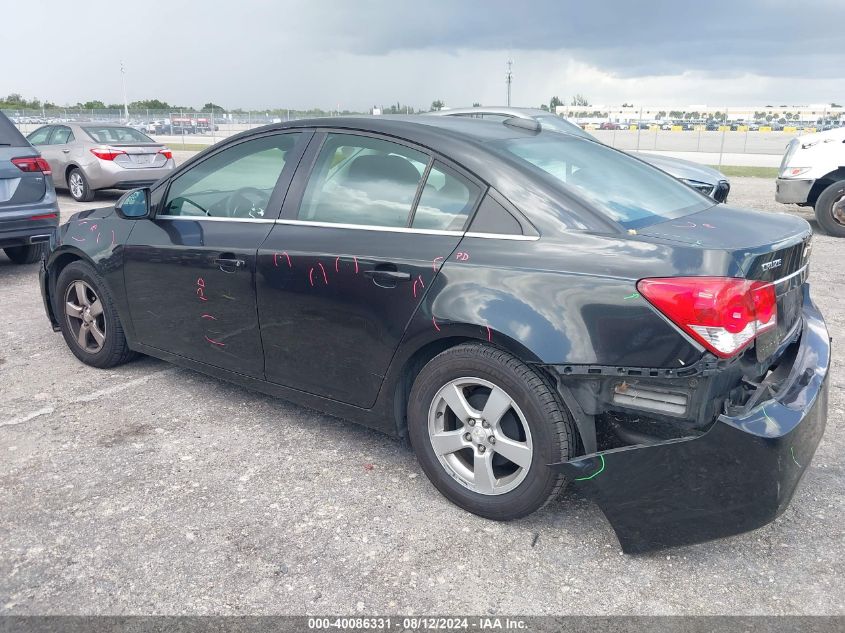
point(228, 262)
point(393, 275)
point(66, 151)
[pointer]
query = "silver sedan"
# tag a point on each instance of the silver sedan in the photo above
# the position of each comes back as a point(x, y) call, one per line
point(85, 157)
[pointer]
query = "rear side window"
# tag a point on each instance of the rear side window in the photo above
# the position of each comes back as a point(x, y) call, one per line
point(234, 183)
point(492, 217)
point(109, 134)
point(10, 136)
point(40, 136)
point(364, 181)
point(61, 135)
point(446, 202)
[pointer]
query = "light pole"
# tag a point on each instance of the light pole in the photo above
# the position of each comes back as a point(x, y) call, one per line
point(509, 80)
point(125, 102)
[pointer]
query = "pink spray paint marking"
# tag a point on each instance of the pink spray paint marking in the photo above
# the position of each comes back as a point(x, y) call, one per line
point(93, 228)
point(688, 225)
point(337, 264)
point(208, 316)
point(98, 238)
point(436, 327)
point(276, 259)
point(201, 289)
point(708, 226)
point(112, 238)
point(355, 259)
point(418, 280)
point(77, 239)
point(213, 342)
point(461, 256)
point(311, 276)
point(434, 263)
point(489, 334)
point(325, 278)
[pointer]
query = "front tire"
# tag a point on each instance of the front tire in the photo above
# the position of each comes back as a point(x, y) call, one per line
point(78, 186)
point(830, 209)
point(26, 254)
point(484, 426)
point(89, 321)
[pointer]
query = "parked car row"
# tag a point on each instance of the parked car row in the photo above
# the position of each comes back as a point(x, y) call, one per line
point(710, 125)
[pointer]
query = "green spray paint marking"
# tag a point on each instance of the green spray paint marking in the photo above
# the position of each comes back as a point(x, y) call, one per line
point(792, 450)
point(598, 472)
point(636, 295)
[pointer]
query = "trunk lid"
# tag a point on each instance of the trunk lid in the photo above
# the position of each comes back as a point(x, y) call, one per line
point(764, 246)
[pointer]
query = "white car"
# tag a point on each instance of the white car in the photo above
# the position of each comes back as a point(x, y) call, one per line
point(812, 173)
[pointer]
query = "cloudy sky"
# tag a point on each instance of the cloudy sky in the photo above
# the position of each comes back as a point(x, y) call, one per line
point(355, 54)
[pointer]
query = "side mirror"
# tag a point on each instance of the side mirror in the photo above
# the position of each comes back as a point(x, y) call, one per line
point(134, 205)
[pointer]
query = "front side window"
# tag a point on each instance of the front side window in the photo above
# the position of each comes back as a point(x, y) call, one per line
point(446, 201)
point(362, 180)
point(40, 136)
point(113, 134)
point(621, 187)
point(234, 183)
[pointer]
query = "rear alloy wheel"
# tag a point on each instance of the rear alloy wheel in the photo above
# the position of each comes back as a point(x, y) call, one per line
point(27, 254)
point(830, 209)
point(78, 186)
point(88, 318)
point(484, 426)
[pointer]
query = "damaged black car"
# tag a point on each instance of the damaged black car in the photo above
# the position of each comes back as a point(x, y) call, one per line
point(529, 309)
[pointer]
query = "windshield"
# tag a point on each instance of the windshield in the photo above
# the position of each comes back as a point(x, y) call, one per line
point(557, 124)
point(625, 189)
point(111, 134)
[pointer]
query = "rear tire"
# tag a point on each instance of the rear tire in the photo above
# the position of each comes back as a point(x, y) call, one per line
point(830, 209)
point(527, 423)
point(26, 254)
point(78, 186)
point(89, 321)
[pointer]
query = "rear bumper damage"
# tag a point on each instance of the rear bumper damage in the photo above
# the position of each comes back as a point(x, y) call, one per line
point(737, 476)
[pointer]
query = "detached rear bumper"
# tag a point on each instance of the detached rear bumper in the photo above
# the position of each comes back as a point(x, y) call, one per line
point(738, 476)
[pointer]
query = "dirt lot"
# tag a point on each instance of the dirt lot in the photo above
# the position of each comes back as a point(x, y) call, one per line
point(153, 489)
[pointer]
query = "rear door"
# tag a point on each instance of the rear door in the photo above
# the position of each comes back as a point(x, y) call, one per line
point(359, 243)
point(57, 149)
point(190, 270)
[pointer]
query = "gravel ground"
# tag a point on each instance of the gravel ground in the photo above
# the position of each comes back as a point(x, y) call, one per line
point(152, 489)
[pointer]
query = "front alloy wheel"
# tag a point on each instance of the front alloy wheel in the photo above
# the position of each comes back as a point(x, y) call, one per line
point(85, 318)
point(480, 436)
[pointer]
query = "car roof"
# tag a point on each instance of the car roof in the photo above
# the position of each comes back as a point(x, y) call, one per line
point(522, 113)
point(428, 131)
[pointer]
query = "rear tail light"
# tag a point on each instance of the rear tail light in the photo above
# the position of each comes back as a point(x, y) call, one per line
point(43, 216)
point(166, 153)
point(31, 164)
point(724, 314)
point(106, 153)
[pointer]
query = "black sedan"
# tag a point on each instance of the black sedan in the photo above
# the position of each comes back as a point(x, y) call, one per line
point(529, 309)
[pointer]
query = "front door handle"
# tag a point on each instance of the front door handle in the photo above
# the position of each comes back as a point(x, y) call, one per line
point(66, 151)
point(228, 262)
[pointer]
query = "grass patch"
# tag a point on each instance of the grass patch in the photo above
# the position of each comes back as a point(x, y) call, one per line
point(187, 147)
point(750, 172)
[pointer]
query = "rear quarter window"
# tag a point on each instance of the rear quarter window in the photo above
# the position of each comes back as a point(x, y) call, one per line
point(10, 136)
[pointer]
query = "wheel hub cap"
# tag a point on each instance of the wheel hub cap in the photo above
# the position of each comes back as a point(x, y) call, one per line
point(480, 436)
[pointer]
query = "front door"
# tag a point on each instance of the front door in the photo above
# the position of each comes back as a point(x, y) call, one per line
point(190, 269)
point(343, 271)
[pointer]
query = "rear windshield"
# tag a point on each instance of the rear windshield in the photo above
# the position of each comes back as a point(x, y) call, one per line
point(10, 136)
point(109, 134)
point(631, 192)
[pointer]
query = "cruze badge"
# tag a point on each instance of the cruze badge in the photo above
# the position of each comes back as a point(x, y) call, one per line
point(775, 263)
